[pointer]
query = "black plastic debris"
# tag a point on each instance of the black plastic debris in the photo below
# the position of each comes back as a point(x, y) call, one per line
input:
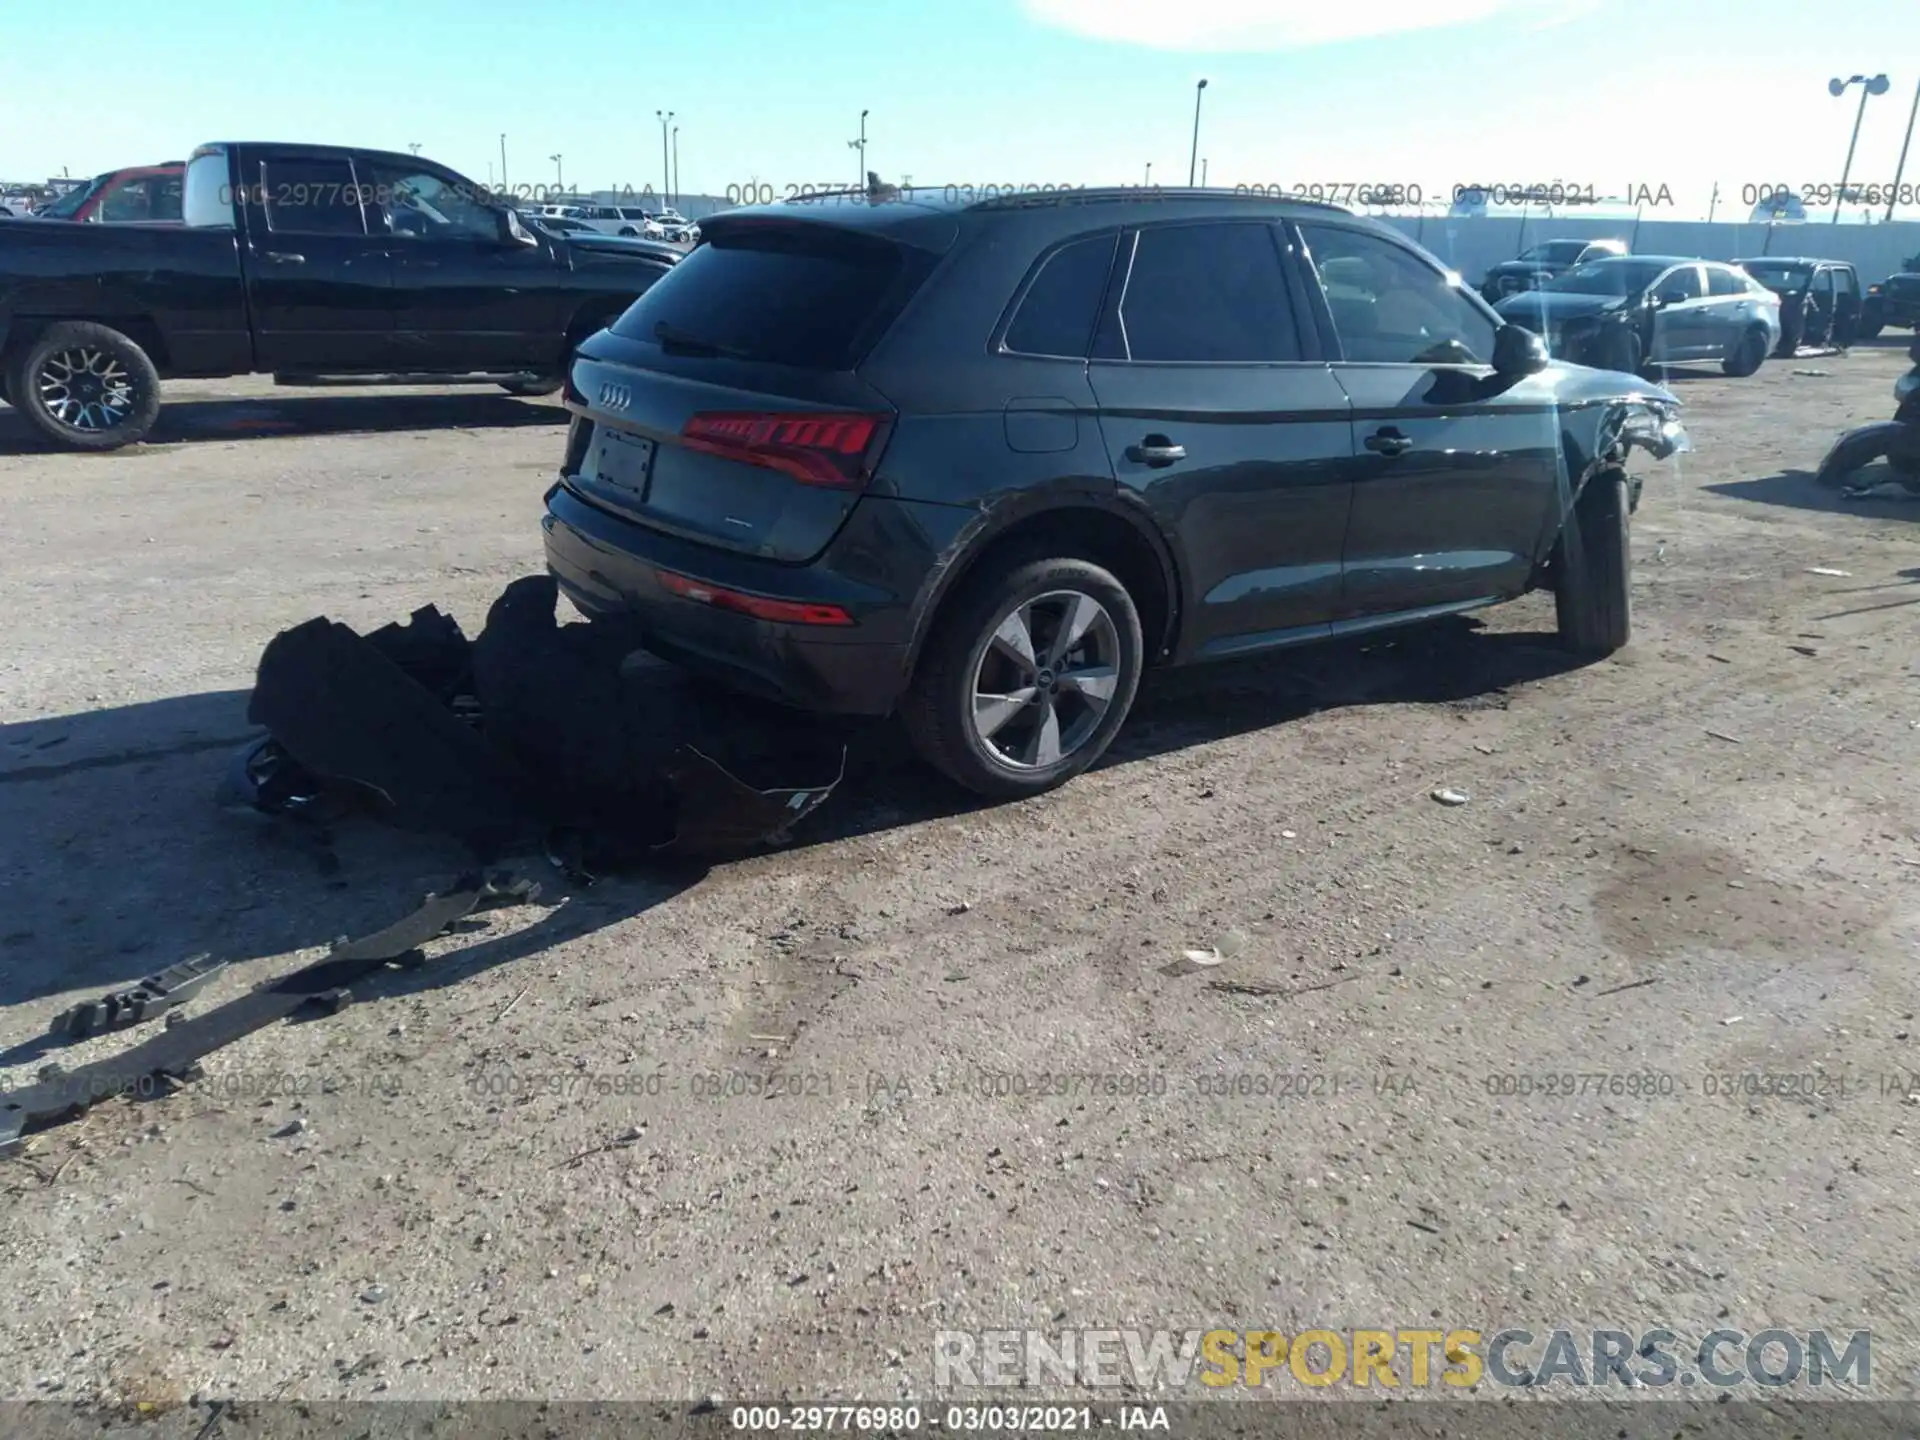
point(155, 1066)
point(535, 736)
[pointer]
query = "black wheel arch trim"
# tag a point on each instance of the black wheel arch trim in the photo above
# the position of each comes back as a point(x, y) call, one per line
point(1017, 510)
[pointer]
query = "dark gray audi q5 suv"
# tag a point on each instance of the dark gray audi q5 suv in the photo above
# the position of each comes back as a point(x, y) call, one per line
point(984, 462)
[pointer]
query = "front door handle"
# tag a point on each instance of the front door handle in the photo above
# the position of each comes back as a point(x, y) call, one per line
point(1389, 441)
point(1156, 451)
point(285, 257)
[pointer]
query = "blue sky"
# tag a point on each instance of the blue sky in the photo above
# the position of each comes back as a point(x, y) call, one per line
point(1605, 92)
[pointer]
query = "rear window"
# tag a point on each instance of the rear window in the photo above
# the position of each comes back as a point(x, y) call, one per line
point(1727, 282)
point(1061, 307)
point(782, 296)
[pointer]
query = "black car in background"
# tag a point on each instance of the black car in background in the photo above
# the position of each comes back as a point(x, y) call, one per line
point(986, 462)
point(1537, 264)
point(1894, 301)
point(1626, 312)
point(301, 261)
point(1820, 300)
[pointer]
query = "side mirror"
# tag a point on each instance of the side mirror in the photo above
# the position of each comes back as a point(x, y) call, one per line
point(1518, 351)
point(512, 232)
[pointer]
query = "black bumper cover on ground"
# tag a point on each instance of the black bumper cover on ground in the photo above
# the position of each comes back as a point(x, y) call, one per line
point(533, 735)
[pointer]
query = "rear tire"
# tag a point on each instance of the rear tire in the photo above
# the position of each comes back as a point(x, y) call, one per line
point(532, 385)
point(1748, 356)
point(85, 387)
point(1593, 564)
point(1006, 725)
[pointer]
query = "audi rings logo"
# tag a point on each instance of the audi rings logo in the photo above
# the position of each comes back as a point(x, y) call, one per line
point(615, 397)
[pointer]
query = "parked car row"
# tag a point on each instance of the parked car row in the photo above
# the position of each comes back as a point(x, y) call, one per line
point(1821, 302)
point(630, 221)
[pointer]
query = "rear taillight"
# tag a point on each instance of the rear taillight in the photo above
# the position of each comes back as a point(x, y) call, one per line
point(816, 447)
point(785, 612)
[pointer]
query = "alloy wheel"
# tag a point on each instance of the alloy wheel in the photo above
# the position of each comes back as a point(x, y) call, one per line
point(87, 388)
point(1045, 679)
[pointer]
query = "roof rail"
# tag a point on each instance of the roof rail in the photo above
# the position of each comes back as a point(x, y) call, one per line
point(1114, 194)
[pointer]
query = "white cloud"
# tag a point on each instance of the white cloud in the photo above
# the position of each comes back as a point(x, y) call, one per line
point(1217, 25)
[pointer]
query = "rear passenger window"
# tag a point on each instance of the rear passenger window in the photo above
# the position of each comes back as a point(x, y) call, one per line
point(1058, 312)
point(310, 197)
point(1208, 293)
point(1726, 282)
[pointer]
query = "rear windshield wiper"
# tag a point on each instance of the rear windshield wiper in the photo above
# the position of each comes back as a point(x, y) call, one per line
point(674, 338)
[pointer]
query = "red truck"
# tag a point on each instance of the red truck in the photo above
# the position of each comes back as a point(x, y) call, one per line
point(139, 193)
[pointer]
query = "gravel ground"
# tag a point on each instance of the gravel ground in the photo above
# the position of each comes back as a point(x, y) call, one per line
point(551, 1162)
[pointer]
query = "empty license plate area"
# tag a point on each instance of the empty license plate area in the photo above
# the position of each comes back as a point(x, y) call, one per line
point(621, 460)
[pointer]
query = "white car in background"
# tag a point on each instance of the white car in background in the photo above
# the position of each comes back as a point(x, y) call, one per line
point(672, 226)
point(629, 220)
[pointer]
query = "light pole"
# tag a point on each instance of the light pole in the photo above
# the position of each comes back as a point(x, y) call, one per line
point(414, 146)
point(860, 146)
point(1203, 172)
point(559, 180)
point(503, 159)
point(1198, 90)
point(1869, 85)
point(666, 168)
point(1901, 169)
point(1149, 179)
point(675, 197)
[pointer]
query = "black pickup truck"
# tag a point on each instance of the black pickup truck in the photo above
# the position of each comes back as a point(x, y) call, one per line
point(302, 261)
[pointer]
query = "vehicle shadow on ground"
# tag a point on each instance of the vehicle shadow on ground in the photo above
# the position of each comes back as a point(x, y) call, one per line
point(1798, 490)
point(1453, 662)
point(197, 421)
point(119, 862)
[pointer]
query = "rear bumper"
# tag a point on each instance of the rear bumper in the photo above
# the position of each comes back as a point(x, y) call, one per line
point(880, 569)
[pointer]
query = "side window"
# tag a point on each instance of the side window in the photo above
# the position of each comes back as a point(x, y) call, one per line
point(1845, 283)
point(1210, 292)
point(1822, 286)
point(167, 201)
point(310, 197)
point(127, 200)
point(1058, 312)
point(1389, 306)
point(426, 205)
point(1681, 284)
point(1725, 282)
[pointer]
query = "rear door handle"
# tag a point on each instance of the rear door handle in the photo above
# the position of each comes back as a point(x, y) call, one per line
point(1388, 441)
point(285, 257)
point(1157, 451)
